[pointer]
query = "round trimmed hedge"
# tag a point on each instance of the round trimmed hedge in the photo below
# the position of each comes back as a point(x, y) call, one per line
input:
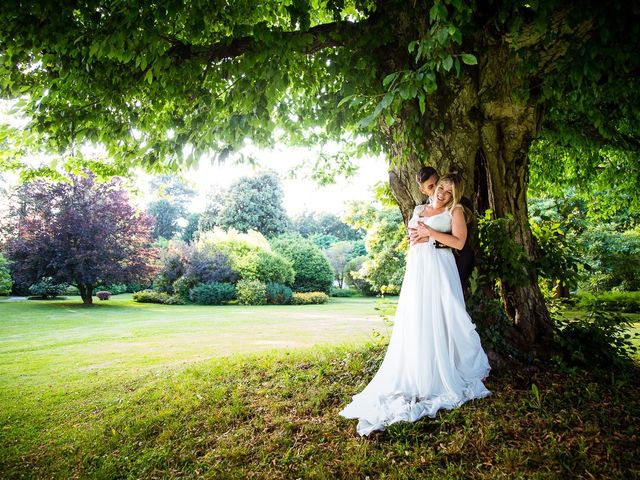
point(313, 273)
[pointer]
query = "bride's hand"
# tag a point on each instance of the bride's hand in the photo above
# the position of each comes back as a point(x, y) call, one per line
point(417, 235)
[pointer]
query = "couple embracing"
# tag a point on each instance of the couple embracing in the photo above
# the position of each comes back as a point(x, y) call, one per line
point(434, 360)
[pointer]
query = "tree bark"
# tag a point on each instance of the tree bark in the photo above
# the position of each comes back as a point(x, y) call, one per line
point(484, 135)
point(86, 293)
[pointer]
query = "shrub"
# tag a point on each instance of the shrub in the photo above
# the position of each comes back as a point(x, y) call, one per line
point(600, 338)
point(136, 287)
point(47, 288)
point(72, 290)
point(172, 266)
point(308, 298)
point(613, 258)
point(251, 292)
point(183, 286)
point(312, 270)
point(353, 277)
point(209, 266)
point(266, 267)
point(103, 295)
point(6, 282)
point(278, 294)
point(212, 293)
point(627, 302)
point(344, 292)
point(149, 296)
point(115, 289)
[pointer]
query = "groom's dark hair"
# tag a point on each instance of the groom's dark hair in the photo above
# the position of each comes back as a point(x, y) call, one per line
point(425, 173)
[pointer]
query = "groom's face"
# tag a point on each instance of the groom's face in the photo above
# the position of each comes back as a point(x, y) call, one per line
point(429, 185)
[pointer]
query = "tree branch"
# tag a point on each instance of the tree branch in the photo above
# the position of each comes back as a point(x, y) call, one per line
point(323, 36)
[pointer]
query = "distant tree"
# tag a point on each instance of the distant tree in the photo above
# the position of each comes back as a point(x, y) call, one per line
point(166, 215)
point(209, 219)
point(173, 197)
point(255, 203)
point(174, 188)
point(79, 232)
point(193, 220)
point(310, 224)
point(386, 245)
point(339, 255)
point(323, 241)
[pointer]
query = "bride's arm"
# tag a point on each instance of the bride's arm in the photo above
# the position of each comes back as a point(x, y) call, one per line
point(458, 234)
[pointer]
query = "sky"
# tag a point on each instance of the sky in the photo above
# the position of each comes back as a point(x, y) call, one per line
point(300, 194)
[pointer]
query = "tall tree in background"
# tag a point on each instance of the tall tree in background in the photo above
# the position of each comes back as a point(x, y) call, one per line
point(174, 197)
point(165, 216)
point(82, 233)
point(463, 85)
point(309, 224)
point(251, 203)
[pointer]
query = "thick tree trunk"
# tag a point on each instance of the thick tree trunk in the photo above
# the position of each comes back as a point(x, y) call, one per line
point(484, 135)
point(86, 293)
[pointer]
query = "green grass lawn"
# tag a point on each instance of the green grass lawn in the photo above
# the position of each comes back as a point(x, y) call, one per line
point(45, 340)
point(127, 390)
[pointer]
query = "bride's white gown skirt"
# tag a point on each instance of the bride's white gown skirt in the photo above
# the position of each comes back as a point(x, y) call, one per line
point(434, 359)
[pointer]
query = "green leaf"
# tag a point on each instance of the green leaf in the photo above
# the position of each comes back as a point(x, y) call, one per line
point(421, 102)
point(390, 78)
point(447, 63)
point(442, 36)
point(149, 76)
point(345, 100)
point(469, 59)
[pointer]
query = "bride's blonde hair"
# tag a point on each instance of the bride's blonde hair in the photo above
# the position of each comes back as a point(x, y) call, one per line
point(456, 189)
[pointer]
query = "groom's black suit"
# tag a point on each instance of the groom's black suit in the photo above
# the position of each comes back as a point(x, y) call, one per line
point(465, 258)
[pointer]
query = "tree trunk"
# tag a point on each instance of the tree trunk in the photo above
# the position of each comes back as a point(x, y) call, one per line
point(484, 134)
point(86, 293)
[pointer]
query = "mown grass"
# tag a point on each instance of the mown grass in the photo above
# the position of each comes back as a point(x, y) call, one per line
point(275, 415)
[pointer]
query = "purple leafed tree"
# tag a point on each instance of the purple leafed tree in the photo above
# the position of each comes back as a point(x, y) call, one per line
point(80, 232)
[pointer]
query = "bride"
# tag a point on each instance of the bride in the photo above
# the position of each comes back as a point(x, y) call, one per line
point(434, 359)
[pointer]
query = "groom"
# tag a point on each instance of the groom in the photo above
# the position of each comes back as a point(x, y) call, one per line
point(427, 178)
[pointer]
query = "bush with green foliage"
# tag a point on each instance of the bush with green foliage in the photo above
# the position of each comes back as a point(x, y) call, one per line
point(115, 289)
point(172, 266)
point(212, 293)
point(612, 257)
point(266, 267)
point(47, 288)
point(499, 256)
point(72, 290)
point(344, 292)
point(103, 295)
point(183, 286)
point(627, 302)
point(312, 269)
point(149, 296)
point(355, 279)
point(251, 292)
point(558, 262)
point(386, 247)
point(6, 282)
point(278, 294)
point(309, 298)
point(597, 339)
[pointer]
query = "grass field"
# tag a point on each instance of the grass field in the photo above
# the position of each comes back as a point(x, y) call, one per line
point(58, 339)
point(126, 390)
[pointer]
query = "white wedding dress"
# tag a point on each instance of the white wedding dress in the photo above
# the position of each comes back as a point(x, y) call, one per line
point(434, 359)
